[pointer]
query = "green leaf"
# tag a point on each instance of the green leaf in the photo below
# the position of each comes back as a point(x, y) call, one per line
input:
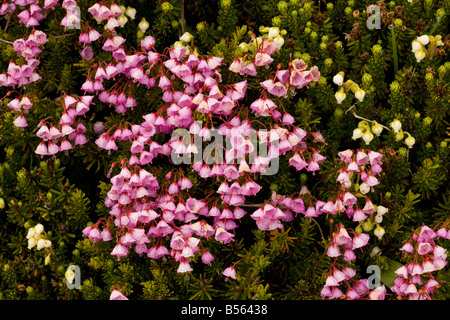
point(388, 276)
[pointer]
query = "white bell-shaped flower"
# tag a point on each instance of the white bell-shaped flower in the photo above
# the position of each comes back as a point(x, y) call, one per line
point(367, 137)
point(338, 79)
point(419, 54)
point(424, 39)
point(359, 94)
point(396, 125)
point(357, 133)
point(340, 96)
point(379, 232)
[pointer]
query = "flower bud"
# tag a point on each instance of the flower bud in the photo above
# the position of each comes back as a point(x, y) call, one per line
point(31, 242)
point(140, 34)
point(376, 128)
point(166, 7)
point(395, 86)
point(398, 23)
point(282, 6)
point(382, 210)
point(416, 46)
point(377, 49)
point(200, 27)
point(131, 12)
point(186, 37)
point(31, 233)
point(402, 152)
point(322, 82)
point(378, 218)
point(99, 127)
point(40, 244)
point(273, 32)
point(47, 259)
point(348, 11)
point(363, 125)
point(2, 203)
point(399, 135)
point(122, 20)
point(379, 232)
point(364, 188)
point(438, 40)
point(279, 40)
point(366, 79)
point(143, 25)
point(410, 141)
point(39, 228)
point(375, 251)
point(276, 21)
point(338, 112)
point(367, 225)
point(440, 13)
point(69, 275)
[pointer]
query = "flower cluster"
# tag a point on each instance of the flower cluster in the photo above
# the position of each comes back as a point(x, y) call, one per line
point(52, 135)
point(344, 87)
point(19, 75)
point(367, 131)
point(363, 178)
point(396, 126)
point(145, 211)
point(101, 12)
point(419, 49)
point(357, 179)
point(72, 17)
point(29, 17)
point(415, 279)
point(37, 238)
point(340, 282)
point(29, 48)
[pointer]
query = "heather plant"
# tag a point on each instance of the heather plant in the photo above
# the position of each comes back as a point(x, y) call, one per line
point(224, 150)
